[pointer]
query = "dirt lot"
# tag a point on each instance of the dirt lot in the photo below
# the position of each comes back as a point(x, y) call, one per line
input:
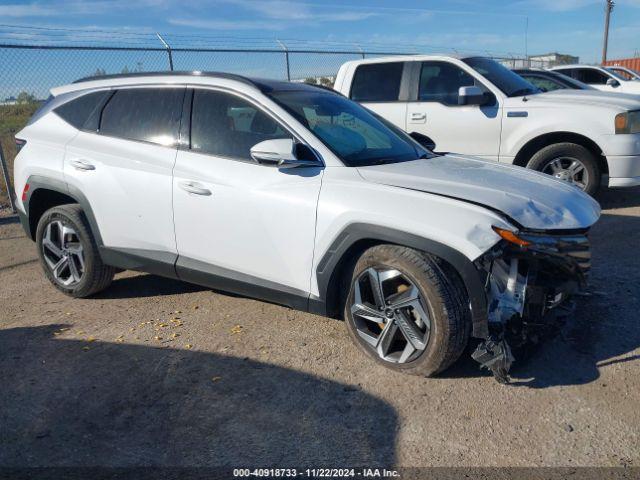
point(157, 372)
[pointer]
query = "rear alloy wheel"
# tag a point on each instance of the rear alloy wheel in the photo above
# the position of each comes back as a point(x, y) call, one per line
point(69, 254)
point(570, 163)
point(63, 253)
point(407, 310)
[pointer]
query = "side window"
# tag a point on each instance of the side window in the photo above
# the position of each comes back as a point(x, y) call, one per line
point(146, 114)
point(440, 82)
point(77, 111)
point(377, 82)
point(543, 83)
point(226, 125)
point(591, 76)
point(569, 72)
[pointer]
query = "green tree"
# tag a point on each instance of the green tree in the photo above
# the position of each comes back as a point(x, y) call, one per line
point(99, 72)
point(24, 98)
point(125, 69)
point(326, 81)
point(310, 81)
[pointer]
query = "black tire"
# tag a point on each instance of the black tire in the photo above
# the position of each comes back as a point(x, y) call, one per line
point(96, 276)
point(545, 156)
point(447, 302)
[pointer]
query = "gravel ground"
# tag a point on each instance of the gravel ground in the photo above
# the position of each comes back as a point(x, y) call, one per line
point(158, 372)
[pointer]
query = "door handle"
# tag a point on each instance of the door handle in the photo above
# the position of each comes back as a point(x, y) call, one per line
point(194, 187)
point(418, 117)
point(82, 165)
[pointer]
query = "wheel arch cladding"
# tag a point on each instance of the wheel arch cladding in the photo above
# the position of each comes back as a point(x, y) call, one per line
point(45, 193)
point(342, 254)
point(536, 144)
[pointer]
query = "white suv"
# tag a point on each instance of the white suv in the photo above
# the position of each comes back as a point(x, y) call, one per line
point(296, 195)
point(602, 78)
point(475, 106)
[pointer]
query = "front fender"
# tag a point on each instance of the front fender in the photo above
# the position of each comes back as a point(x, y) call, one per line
point(471, 277)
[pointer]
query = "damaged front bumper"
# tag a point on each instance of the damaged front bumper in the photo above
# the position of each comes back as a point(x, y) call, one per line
point(529, 285)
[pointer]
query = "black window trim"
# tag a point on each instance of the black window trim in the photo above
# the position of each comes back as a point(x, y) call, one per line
point(403, 91)
point(77, 95)
point(415, 83)
point(173, 146)
point(188, 113)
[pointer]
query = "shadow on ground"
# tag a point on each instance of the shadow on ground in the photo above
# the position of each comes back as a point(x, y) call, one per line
point(146, 285)
point(124, 405)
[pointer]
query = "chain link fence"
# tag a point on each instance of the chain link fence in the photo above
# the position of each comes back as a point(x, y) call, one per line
point(30, 71)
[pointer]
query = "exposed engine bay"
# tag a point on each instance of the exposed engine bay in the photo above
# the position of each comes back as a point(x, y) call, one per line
point(530, 281)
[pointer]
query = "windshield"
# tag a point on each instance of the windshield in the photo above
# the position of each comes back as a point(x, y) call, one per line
point(510, 83)
point(349, 130)
point(617, 75)
point(624, 73)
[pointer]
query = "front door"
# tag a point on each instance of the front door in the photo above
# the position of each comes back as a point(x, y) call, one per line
point(239, 225)
point(466, 129)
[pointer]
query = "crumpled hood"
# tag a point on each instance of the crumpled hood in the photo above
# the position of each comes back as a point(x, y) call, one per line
point(621, 101)
point(534, 200)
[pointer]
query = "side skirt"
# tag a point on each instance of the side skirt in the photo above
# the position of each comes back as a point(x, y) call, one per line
point(200, 273)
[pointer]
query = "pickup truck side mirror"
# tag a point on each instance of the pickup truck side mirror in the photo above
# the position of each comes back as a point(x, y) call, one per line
point(471, 96)
point(612, 82)
point(282, 153)
point(423, 140)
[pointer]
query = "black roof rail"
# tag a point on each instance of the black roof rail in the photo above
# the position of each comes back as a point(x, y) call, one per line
point(264, 85)
point(230, 76)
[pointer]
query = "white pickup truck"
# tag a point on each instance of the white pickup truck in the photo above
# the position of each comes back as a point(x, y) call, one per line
point(476, 106)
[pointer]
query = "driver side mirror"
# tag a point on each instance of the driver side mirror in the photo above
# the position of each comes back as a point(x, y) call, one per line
point(612, 82)
point(283, 153)
point(471, 96)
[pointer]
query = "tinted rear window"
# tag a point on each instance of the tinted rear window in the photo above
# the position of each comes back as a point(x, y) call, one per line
point(77, 111)
point(145, 114)
point(377, 82)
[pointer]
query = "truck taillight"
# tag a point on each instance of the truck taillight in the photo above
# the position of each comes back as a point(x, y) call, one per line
point(24, 192)
point(19, 144)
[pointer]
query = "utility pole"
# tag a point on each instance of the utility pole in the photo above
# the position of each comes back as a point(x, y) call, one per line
point(609, 4)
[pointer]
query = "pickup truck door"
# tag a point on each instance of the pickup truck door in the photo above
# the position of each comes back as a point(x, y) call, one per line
point(434, 112)
point(382, 88)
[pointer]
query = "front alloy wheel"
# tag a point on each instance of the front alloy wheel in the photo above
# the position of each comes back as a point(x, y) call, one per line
point(570, 170)
point(389, 315)
point(407, 310)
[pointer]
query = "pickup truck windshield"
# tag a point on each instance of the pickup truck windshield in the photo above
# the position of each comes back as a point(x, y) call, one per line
point(510, 83)
point(349, 130)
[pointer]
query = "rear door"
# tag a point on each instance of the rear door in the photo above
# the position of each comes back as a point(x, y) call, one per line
point(123, 166)
point(434, 112)
point(238, 223)
point(382, 88)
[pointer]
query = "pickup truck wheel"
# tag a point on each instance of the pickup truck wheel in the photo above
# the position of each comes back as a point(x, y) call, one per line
point(569, 162)
point(69, 254)
point(407, 310)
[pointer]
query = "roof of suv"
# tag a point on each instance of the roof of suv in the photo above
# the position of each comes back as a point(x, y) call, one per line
point(263, 85)
point(576, 65)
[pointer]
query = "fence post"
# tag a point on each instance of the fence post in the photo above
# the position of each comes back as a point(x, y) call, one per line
point(361, 51)
point(286, 57)
point(166, 45)
point(7, 180)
